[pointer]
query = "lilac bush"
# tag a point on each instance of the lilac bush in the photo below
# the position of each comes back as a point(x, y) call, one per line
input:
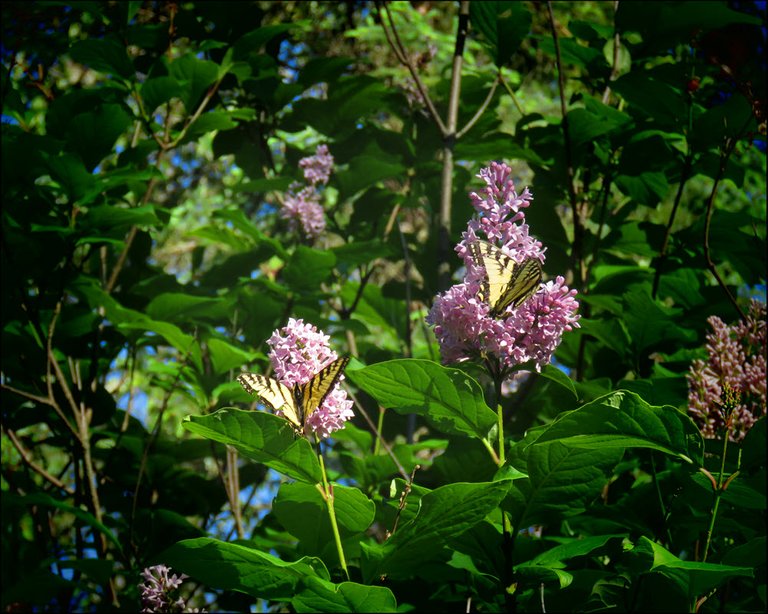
point(299, 351)
point(301, 204)
point(736, 365)
point(531, 331)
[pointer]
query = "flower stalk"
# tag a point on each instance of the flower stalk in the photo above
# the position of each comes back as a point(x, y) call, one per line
point(327, 492)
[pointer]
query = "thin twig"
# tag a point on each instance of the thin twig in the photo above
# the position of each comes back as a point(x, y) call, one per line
point(571, 183)
point(684, 174)
point(27, 458)
point(402, 56)
point(401, 470)
point(615, 63)
point(725, 153)
point(482, 108)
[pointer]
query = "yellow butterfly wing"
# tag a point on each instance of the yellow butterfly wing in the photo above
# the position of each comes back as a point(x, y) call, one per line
point(278, 396)
point(506, 282)
point(311, 395)
point(297, 403)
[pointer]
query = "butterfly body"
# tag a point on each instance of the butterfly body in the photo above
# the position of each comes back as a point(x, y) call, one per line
point(507, 283)
point(297, 404)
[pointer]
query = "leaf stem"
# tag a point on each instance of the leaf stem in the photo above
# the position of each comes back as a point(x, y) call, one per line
point(718, 493)
point(328, 496)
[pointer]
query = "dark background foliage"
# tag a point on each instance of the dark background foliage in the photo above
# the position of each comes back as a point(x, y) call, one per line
point(145, 146)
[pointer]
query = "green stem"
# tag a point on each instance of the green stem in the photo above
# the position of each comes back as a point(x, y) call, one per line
point(718, 494)
point(510, 599)
point(500, 424)
point(661, 502)
point(328, 496)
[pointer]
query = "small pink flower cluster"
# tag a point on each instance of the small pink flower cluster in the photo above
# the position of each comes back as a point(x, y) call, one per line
point(534, 329)
point(155, 592)
point(299, 351)
point(317, 168)
point(302, 206)
point(737, 362)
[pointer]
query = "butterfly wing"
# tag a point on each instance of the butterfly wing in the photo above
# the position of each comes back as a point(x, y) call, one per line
point(278, 396)
point(506, 282)
point(311, 395)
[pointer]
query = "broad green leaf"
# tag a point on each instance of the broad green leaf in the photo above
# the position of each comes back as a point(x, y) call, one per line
point(318, 595)
point(213, 120)
point(194, 77)
point(365, 170)
point(236, 567)
point(583, 546)
point(503, 25)
point(308, 268)
point(159, 90)
point(443, 514)
point(301, 509)
point(697, 578)
point(558, 376)
point(69, 171)
point(622, 419)
point(254, 40)
point(562, 480)
point(187, 345)
point(448, 398)
point(109, 217)
point(753, 448)
point(172, 306)
point(263, 437)
point(107, 55)
point(226, 356)
point(645, 189)
point(539, 575)
point(93, 134)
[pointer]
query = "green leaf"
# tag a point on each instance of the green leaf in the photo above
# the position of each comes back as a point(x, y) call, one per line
point(194, 78)
point(444, 514)
point(112, 217)
point(187, 345)
point(536, 575)
point(159, 90)
point(622, 419)
point(225, 356)
point(301, 509)
point(644, 189)
point(107, 55)
point(753, 448)
point(308, 268)
point(172, 306)
point(318, 595)
point(697, 578)
point(503, 25)
point(236, 567)
point(256, 39)
point(365, 170)
point(558, 376)
point(263, 437)
point(582, 546)
point(651, 324)
point(562, 480)
point(208, 122)
point(93, 134)
point(448, 398)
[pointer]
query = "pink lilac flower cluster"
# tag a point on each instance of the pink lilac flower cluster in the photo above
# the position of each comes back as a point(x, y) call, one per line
point(301, 205)
point(737, 364)
point(157, 588)
point(299, 351)
point(317, 168)
point(534, 329)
